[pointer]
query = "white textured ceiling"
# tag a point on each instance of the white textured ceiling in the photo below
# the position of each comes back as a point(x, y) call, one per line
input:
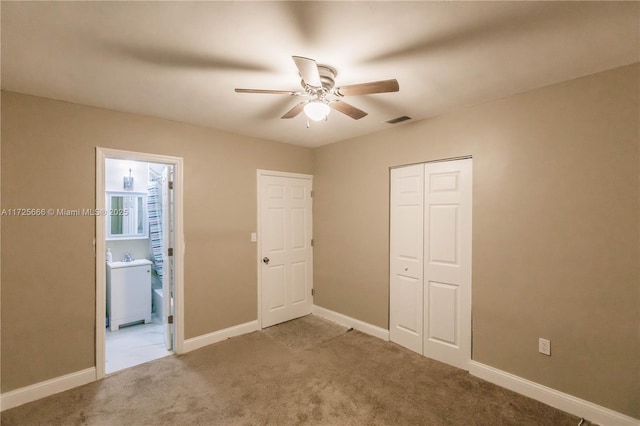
point(182, 60)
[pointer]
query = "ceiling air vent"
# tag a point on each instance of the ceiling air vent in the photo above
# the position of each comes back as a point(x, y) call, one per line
point(398, 119)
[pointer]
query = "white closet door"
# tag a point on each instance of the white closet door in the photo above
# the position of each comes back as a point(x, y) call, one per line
point(447, 268)
point(406, 261)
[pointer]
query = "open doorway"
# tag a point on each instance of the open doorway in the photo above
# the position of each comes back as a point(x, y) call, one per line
point(138, 276)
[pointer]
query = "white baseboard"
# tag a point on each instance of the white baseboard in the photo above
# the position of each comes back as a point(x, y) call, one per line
point(30, 393)
point(562, 401)
point(220, 335)
point(346, 321)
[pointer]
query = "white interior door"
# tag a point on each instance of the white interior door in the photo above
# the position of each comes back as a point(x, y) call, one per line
point(286, 274)
point(167, 267)
point(406, 257)
point(447, 266)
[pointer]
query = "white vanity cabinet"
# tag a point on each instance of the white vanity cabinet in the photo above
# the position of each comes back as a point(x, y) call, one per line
point(128, 292)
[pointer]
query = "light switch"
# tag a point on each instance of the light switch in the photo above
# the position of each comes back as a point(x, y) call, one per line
point(254, 237)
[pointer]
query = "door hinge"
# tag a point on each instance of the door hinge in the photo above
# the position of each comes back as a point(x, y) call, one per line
point(313, 292)
point(312, 242)
point(170, 319)
point(170, 184)
point(312, 194)
point(170, 251)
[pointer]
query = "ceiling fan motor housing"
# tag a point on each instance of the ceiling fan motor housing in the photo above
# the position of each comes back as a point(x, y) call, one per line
point(327, 77)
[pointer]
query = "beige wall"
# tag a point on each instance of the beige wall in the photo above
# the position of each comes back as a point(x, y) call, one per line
point(555, 230)
point(48, 265)
point(555, 240)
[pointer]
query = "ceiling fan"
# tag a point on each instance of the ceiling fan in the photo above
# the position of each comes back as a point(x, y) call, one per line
point(318, 82)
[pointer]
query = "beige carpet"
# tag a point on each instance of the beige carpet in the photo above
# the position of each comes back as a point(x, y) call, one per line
point(307, 371)
point(305, 333)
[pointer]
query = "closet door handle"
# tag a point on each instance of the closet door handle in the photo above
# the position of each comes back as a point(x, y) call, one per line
point(265, 260)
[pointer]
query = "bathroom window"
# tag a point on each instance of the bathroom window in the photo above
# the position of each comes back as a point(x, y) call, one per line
point(127, 215)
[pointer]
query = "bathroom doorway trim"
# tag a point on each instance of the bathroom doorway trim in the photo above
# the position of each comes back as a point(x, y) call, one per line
point(100, 245)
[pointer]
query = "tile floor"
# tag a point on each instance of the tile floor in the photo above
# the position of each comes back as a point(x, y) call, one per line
point(135, 344)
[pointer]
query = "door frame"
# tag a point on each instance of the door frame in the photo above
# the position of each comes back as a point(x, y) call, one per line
point(100, 246)
point(260, 173)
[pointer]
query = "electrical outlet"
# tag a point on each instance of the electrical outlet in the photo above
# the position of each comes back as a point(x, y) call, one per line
point(544, 346)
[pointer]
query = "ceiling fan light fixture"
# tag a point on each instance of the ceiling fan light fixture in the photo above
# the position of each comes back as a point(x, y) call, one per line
point(317, 110)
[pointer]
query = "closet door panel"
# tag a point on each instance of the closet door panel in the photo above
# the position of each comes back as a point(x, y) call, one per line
point(406, 257)
point(442, 310)
point(447, 268)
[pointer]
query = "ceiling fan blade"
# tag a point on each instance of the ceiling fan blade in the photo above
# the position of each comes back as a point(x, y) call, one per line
point(348, 109)
point(270, 92)
point(308, 70)
point(383, 86)
point(293, 112)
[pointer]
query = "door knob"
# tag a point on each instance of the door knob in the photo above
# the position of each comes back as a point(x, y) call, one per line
point(265, 260)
